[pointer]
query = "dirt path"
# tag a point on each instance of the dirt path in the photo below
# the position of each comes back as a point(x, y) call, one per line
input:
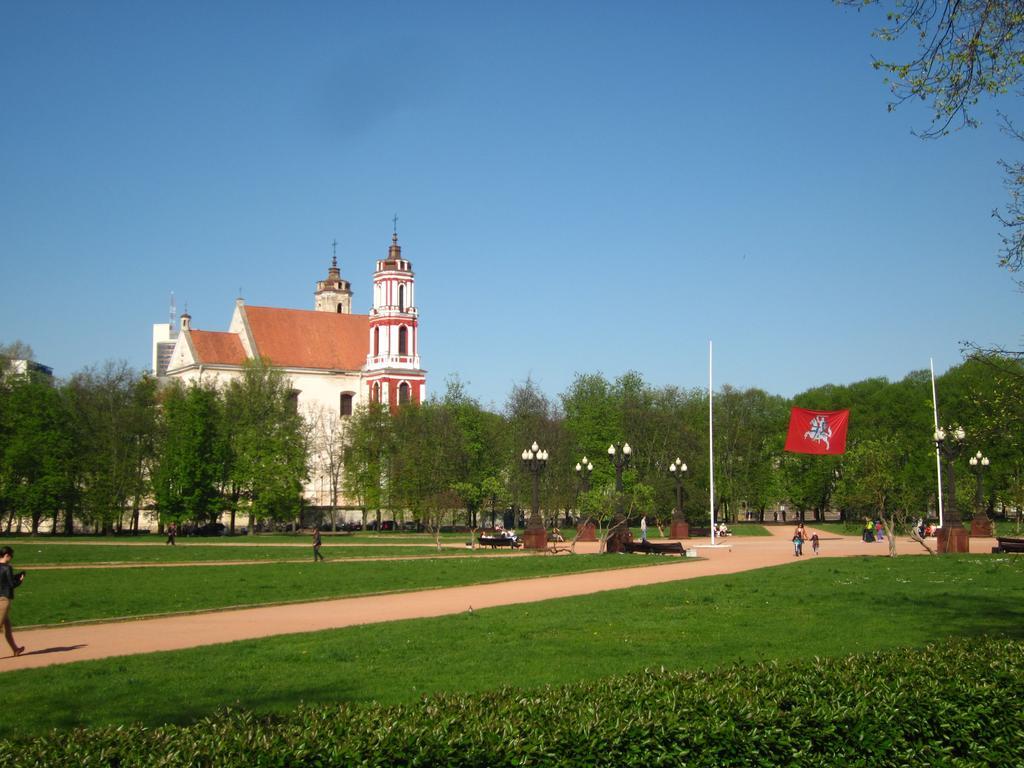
point(60, 645)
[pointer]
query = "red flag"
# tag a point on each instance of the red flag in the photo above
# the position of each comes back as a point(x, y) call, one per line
point(817, 431)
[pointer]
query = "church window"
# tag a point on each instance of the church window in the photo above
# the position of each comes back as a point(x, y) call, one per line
point(293, 400)
point(339, 309)
point(376, 341)
point(403, 341)
point(403, 392)
point(401, 298)
point(376, 392)
point(346, 403)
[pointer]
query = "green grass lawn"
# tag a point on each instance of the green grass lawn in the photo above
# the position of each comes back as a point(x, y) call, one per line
point(27, 554)
point(796, 612)
point(60, 596)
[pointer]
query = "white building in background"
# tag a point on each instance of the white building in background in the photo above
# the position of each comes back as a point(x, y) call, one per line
point(334, 359)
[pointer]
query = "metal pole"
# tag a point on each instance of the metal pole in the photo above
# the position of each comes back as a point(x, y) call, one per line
point(711, 439)
point(938, 459)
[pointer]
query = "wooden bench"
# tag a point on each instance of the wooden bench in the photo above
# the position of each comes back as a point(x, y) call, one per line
point(1008, 544)
point(499, 541)
point(650, 548)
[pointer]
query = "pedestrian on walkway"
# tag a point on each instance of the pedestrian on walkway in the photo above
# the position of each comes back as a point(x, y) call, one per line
point(316, 545)
point(815, 544)
point(798, 541)
point(643, 529)
point(9, 581)
point(172, 532)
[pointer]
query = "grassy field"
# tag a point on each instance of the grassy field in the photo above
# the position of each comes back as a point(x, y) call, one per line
point(797, 612)
point(28, 554)
point(60, 596)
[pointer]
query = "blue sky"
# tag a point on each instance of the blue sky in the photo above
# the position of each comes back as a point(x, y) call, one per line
point(581, 186)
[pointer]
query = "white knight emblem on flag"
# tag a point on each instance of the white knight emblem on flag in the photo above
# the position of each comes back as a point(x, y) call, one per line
point(820, 431)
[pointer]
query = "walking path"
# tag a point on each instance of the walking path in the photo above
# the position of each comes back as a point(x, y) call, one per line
point(60, 645)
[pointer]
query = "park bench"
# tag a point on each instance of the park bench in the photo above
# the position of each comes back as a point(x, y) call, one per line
point(699, 533)
point(498, 541)
point(1008, 544)
point(650, 548)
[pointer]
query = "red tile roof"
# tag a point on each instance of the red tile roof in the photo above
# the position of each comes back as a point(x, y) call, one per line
point(217, 347)
point(300, 338)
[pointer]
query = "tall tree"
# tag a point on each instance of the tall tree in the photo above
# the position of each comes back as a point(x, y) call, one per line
point(367, 458)
point(269, 444)
point(113, 409)
point(187, 469)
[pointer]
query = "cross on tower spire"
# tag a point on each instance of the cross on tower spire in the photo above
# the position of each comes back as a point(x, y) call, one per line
point(394, 221)
point(334, 252)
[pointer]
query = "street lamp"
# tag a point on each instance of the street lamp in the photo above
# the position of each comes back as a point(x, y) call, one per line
point(952, 536)
point(981, 525)
point(680, 528)
point(583, 469)
point(585, 529)
point(535, 459)
point(619, 455)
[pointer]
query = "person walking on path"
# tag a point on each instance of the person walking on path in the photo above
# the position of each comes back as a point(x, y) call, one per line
point(172, 531)
point(815, 544)
point(9, 581)
point(798, 541)
point(316, 545)
point(643, 529)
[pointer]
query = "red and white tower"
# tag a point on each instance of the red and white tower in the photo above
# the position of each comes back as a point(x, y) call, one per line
point(393, 373)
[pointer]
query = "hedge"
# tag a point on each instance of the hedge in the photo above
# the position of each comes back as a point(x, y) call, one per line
point(960, 703)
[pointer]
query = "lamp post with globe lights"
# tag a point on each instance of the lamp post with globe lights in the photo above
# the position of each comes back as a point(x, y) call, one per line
point(586, 529)
point(680, 528)
point(952, 536)
point(535, 460)
point(619, 455)
point(981, 525)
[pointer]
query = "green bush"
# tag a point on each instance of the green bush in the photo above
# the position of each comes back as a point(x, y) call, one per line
point(955, 704)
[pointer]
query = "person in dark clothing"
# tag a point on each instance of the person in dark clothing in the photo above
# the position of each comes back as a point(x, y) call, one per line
point(172, 531)
point(316, 545)
point(9, 581)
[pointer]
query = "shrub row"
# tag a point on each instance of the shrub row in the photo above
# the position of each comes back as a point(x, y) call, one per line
point(959, 704)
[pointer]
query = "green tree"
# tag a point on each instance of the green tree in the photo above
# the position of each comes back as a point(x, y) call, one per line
point(187, 469)
point(269, 443)
point(113, 423)
point(368, 457)
point(35, 450)
point(430, 460)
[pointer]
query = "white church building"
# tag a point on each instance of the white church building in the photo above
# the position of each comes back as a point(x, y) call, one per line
point(335, 360)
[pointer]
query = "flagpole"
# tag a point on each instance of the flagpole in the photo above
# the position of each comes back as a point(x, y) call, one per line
point(938, 462)
point(711, 437)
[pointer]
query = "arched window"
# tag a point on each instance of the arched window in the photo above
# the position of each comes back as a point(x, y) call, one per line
point(346, 404)
point(376, 392)
point(293, 400)
point(339, 309)
point(401, 298)
point(376, 341)
point(403, 340)
point(403, 392)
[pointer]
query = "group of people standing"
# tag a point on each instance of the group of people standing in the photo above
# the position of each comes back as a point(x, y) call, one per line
point(800, 536)
point(873, 531)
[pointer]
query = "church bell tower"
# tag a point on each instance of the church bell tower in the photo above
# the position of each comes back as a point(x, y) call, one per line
point(393, 373)
point(333, 294)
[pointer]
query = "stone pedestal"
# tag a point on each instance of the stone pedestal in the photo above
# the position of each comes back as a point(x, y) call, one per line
point(953, 540)
point(981, 527)
point(587, 532)
point(680, 530)
point(535, 538)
